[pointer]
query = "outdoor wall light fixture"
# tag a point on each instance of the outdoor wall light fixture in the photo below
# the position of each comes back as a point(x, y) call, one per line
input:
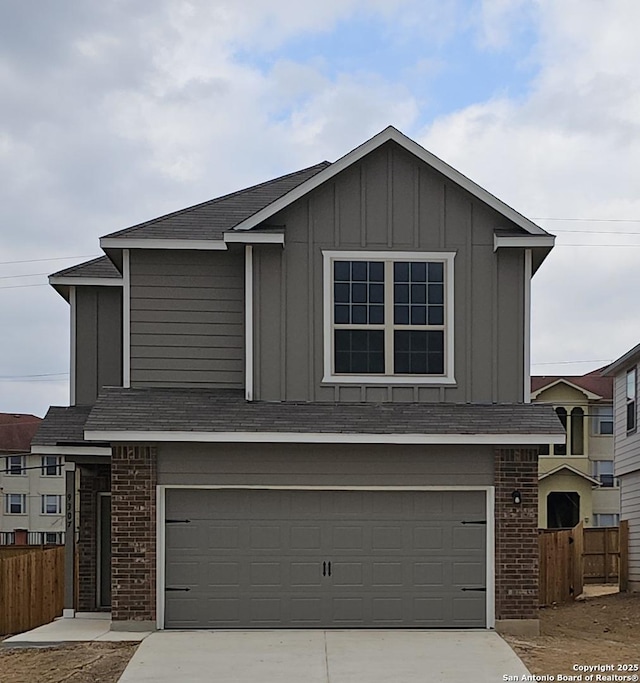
point(517, 497)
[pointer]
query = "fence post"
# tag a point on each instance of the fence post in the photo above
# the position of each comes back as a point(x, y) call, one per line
point(623, 562)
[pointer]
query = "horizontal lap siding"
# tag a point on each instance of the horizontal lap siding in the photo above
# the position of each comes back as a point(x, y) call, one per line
point(627, 445)
point(187, 318)
point(630, 510)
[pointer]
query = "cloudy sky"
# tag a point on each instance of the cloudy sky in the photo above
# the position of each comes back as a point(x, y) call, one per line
point(114, 112)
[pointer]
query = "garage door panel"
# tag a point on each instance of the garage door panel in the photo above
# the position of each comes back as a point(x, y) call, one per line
point(396, 559)
point(305, 575)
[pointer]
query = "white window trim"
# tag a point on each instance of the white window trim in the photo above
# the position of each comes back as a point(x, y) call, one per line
point(447, 257)
point(43, 504)
point(7, 506)
point(58, 465)
point(23, 465)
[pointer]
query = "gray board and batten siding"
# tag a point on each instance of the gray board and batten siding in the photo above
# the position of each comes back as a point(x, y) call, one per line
point(187, 318)
point(98, 325)
point(389, 201)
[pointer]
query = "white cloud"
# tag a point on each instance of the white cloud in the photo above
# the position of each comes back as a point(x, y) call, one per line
point(571, 148)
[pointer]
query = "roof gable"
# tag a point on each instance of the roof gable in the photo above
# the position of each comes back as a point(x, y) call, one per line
point(594, 384)
point(392, 134)
point(570, 470)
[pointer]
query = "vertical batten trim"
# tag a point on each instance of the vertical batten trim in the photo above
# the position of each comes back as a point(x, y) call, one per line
point(416, 207)
point(326, 316)
point(390, 158)
point(363, 207)
point(491, 557)
point(527, 327)
point(73, 324)
point(311, 360)
point(248, 322)
point(494, 328)
point(469, 329)
point(161, 554)
point(126, 319)
point(450, 323)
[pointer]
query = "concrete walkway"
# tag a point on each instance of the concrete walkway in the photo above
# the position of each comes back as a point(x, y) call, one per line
point(83, 627)
point(323, 657)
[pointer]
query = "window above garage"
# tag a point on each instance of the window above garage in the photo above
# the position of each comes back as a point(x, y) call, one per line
point(388, 317)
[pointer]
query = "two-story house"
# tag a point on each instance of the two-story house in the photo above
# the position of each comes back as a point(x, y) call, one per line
point(31, 486)
point(308, 402)
point(576, 477)
point(625, 371)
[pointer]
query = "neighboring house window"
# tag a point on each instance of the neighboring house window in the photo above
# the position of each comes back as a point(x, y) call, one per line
point(389, 315)
point(51, 466)
point(15, 504)
point(602, 420)
point(577, 431)
point(51, 537)
point(51, 504)
point(631, 399)
point(543, 449)
point(15, 465)
point(609, 519)
point(561, 448)
point(603, 472)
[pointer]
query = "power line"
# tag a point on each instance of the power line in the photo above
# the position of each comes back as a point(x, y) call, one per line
point(9, 277)
point(569, 362)
point(57, 258)
point(45, 374)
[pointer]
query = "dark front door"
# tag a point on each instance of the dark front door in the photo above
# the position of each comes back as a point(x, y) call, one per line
point(342, 559)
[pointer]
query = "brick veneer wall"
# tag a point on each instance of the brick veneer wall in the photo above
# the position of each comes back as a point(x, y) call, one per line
point(94, 479)
point(516, 534)
point(133, 530)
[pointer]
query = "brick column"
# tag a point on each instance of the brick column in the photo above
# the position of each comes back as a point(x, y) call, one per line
point(94, 479)
point(516, 539)
point(133, 534)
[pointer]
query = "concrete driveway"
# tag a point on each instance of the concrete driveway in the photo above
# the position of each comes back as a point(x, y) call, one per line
point(323, 657)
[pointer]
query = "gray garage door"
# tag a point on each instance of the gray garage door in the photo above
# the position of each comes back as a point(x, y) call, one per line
point(343, 559)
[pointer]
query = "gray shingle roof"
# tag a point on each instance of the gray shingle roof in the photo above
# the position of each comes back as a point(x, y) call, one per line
point(97, 267)
point(62, 425)
point(208, 221)
point(202, 410)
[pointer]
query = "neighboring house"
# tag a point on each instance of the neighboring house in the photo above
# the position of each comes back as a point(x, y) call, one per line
point(625, 372)
point(31, 486)
point(576, 477)
point(309, 403)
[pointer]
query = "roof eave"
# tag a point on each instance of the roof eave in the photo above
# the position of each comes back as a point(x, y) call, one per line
point(632, 356)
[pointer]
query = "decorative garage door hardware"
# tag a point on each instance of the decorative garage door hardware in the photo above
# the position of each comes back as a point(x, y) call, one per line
point(174, 588)
point(479, 589)
point(481, 521)
point(326, 568)
point(182, 521)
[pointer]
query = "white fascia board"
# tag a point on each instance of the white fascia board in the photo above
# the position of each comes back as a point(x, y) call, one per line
point(253, 238)
point(86, 281)
point(589, 394)
point(573, 470)
point(71, 450)
point(321, 437)
point(126, 243)
point(391, 133)
point(526, 384)
point(524, 241)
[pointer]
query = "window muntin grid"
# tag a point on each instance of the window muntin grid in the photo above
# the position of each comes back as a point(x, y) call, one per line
point(388, 317)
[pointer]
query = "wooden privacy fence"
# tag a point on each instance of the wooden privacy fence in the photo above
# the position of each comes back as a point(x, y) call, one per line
point(31, 587)
point(569, 558)
point(560, 569)
point(605, 553)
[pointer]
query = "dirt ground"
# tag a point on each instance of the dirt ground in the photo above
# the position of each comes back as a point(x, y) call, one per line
point(597, 630)
point(72, 663)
